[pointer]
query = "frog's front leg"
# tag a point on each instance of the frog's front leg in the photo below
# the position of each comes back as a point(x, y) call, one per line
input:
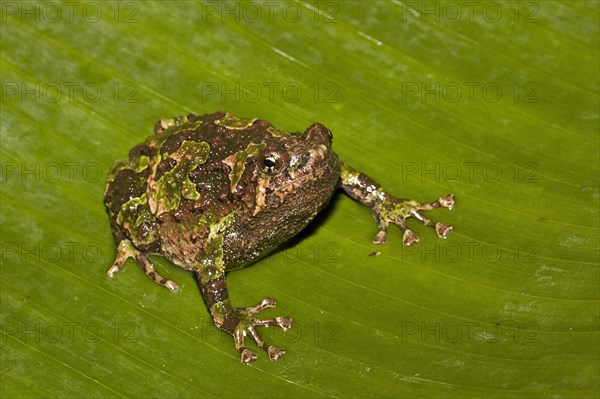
point(389, 209)
point(239, 322)
point(126, 250)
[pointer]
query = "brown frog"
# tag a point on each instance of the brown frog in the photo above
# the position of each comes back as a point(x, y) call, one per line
point(214, 193)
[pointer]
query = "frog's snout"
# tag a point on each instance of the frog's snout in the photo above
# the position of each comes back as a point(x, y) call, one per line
point(318, 133)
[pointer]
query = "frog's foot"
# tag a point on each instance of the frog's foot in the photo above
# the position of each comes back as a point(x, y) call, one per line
point(126, 250)
point(246, 326)
point(397, 211)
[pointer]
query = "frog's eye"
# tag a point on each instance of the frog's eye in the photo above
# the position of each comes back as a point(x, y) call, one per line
point(272, 164)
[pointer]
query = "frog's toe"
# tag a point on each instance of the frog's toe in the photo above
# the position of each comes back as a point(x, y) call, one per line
point(247, 356)
point(398, 211)
point(285, 323)
point(246, 327)
point(442, 229)
point(409, 238)
point(171, 285)
point(125, 250)
point(380, 237)
point(239, 337)
point(149, 270)
point(447, 201)
point(114, 269)
point(264, 304)
point(275, 353)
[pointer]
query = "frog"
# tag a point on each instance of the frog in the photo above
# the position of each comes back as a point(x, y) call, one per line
point(216, 192)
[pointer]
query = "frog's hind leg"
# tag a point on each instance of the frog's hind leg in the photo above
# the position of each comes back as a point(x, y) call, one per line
point(126, 250)
point(239, 322)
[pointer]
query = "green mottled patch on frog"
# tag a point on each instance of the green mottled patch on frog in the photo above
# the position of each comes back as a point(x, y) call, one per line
point(171, 140)
point(276, 132)
point(129, 210)
point(164, 124)
point(162, 166)
point(175, 183)
point(140, 163)
point(234, 122)
point(122, 185)
point(213, 266)
point(135, 216)
point(237, 162)
point(209, 218)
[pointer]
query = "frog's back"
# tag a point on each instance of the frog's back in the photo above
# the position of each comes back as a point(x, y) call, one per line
point(180, 177)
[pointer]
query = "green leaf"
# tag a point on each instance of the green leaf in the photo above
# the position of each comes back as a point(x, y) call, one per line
point(496, 102)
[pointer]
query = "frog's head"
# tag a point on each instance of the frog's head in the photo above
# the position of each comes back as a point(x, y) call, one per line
point(283, 180)
point(296, 174)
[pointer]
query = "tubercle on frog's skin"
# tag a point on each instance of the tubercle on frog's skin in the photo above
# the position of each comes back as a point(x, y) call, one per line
point(217, 192)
